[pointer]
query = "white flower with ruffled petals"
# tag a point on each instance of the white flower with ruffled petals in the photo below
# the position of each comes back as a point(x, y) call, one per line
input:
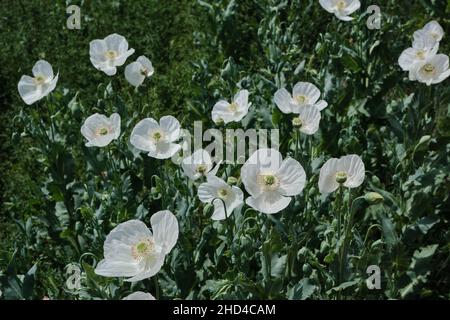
point(139, 295)
point(303, 94)
point(131, 250)
point(432, 71)
point(198, 165)
point(424, 47)
point(157, 139)
point(226, 112)
point(137, 71)
point(100, 130)
point(32, 89)
point(109, 53)
point(271, 181)
point(218, 192)
point(348, 171)
point(342, 9)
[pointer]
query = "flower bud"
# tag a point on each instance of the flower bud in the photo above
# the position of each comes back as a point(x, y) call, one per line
point(297, 122)
point(373, 198)
point(232, 181)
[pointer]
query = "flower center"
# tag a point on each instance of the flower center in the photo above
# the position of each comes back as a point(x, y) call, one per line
point(111, 54)
point(223, 193)
point(341, 177)
point(233, 107)
point(268, 182)
point(39, 80)
point(301, 99)
point(297, 122)
point(421, 54)
point(429, 68)
point(201, 168)
point(103, 131)
point(143, 249)
point(157, 136)
point(144, 72)
point(341, 4)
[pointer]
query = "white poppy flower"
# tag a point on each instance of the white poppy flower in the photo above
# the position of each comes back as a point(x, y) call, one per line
point(100, 130)
point(137, 71)
point(341, 8)
point(271, 181)
point(433, 29)
point(303, 94)
point(139, 295)
point(32, 89)
point(106, 54)
point(132, 250)
point(348, 170)
point(157, 138)
point(432, 71)
point(424, 47)
point(307, 120)
point(199, 164)
point(215, 190)
point(226, 112)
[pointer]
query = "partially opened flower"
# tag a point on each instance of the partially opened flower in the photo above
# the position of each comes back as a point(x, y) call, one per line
point(218, 192)
point(433, 29)
point(341, 8)
point(199, 164)
point(137, 71)
point(109, 53)
point(307, 121)
point(139, 295)
point(304, 94)
point(424, 47)
point(157, 139)
point(347, 171)
point(131, 250)
point(32, 89)
point(433, 70)
point(100, 130)
point(271, 181)
point(225, 112)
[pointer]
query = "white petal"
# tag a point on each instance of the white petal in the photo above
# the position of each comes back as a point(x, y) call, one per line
point(133, 74)
point(140, 135)
point(320, 105)
point(342, 17)
point(241, 98)
point(153, 269)
point(108, 268)
point(310, 117)
point(435, 30)
point(408, 59)
point(115, 121)
point(354, 167)
point(117, 43)
point(147, 64)
point(327, 5)
point(171, 128)
point(221, 111)
point(165, 229)
point(352, 6)
point(327, 176)
point(292, 177)
point(164, 150)
point(282, 99)
point(268, 202)
point(308, 90)
point(28, 90)
point(43, 68)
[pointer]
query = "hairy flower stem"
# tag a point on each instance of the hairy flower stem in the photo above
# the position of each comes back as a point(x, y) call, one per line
point(155, 282)
point(339, 207)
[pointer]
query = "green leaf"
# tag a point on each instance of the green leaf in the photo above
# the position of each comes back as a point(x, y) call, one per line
point(302, 290)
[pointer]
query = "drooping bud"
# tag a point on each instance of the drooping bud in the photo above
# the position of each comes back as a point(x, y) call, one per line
point(373, 198)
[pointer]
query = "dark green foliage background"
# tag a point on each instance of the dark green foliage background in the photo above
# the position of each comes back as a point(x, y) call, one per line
point(202, 51)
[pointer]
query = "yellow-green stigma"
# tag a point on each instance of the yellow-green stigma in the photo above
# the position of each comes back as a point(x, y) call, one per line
point(111, 54)
point(222, 193)
point(429, 68)
point(341, 177)
point(103, 131)
point(142, 249)
point(301, 99)
point(39, 80)
point(157, 136)
point(233, 107)
point(201, 169)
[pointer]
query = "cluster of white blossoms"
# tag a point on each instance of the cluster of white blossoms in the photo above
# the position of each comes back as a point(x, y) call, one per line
point(422, 61)
point(304, 103)
point(342, 9)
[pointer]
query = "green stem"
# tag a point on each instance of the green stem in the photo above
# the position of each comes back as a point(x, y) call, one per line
point(155, 282)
